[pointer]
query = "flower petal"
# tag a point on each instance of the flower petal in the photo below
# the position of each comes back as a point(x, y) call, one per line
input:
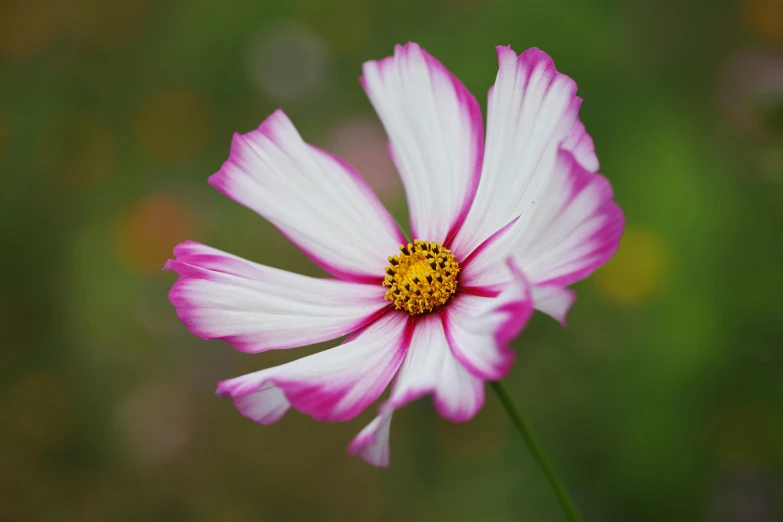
point(430, 367)
point(532, 108)
point(266, 406)
point(575, 229)
point(436, 137)
point(484, 268)
point(479, 329)
point(553, 301)
point(336, 384)
point(372, 443)
point(483, 274)
point(581, 144)
point(258, 308)
point(539, 168)
point(312, 197)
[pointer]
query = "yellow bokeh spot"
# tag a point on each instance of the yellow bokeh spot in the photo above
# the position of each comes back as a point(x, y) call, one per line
point(765, 17)
point(638, 269)
point(77, 151)
point(147, 232)
point(26, 26)
point(173, 125)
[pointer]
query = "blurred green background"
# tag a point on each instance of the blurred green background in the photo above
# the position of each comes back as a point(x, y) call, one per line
point(662, 400)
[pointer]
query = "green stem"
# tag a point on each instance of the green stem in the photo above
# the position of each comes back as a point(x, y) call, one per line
point(535, 448)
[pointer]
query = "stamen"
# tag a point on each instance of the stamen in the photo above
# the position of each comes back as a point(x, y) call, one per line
point(422, 278)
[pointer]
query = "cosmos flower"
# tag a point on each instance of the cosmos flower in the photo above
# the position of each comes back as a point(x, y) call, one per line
point(501, 226)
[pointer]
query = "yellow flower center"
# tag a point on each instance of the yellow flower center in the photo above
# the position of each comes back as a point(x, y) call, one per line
point(422, 278)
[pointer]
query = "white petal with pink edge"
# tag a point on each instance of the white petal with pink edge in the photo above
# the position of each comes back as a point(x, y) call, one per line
point(372, 443)
point(575, 228)
point(581, 144)
point(333, 385)
point(258, 308)
point(531, 110)
point(315, 199)
point(265, 406)
point(436, 136)
point(431, 368)
point(554, 301)
point(479, 328)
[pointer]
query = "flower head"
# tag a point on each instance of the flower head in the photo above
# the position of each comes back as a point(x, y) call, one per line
point(500, 226)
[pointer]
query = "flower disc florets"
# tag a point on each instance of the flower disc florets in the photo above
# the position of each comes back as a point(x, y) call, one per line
point(422, 278)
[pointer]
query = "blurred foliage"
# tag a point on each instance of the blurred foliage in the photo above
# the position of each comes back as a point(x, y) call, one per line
point(661, 401)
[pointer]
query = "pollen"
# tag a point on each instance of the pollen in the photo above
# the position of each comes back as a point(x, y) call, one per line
point(421, 278)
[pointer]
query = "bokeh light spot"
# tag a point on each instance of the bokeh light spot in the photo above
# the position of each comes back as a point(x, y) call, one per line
point(26, 26)
point(362, 142)
point(38, 408)
point(77, 151)
point(146, 233)
point(288, 61)
point(173, 125)
point(765, 18)
point(155, 421)
point(638, 269)
point(751, 91)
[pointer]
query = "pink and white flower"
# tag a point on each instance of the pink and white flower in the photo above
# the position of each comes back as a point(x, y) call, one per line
point(502, 225)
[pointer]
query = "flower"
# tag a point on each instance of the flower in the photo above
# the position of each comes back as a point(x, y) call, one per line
point(501, 226)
